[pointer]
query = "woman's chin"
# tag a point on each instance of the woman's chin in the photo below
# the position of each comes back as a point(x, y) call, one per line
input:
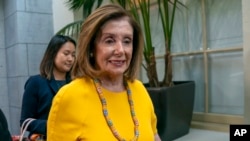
point(116, 73)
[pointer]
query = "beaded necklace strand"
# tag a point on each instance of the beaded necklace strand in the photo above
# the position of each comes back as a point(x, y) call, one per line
point(106, 115)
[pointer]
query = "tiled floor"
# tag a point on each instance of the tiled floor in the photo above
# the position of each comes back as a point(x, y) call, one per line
point(204, 135)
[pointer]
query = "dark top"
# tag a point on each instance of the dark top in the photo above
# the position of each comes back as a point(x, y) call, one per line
point(37, 100)
point(4, 131)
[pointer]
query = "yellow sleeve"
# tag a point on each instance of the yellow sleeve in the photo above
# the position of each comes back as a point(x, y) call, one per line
point(62, 126)
point(154, 122)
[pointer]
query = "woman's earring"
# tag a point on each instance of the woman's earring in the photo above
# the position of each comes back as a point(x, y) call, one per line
point(91, 54)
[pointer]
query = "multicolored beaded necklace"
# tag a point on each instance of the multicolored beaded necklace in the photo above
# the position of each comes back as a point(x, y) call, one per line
point(106, 115)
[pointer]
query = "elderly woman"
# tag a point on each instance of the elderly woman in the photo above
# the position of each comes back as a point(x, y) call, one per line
point(105, 101)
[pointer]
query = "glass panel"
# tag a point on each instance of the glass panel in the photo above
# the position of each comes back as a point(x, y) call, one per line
point(226, 83)
point(224, 23)
point(183, 39)
point(156, 31)
point(190, 68)
point(180, 31)
point(225, 74)
point(187, 33)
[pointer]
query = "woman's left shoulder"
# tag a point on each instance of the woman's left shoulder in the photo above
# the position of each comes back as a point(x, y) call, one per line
point(135, 82)
point(136, 85)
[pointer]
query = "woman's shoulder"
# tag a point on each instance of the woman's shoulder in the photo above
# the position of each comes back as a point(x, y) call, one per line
point(136, 83)
point(80, 82)
point(75, 92)
point(79, 86)
point(35, 79)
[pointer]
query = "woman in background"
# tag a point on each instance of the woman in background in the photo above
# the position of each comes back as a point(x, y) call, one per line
point(4, 130)
point(40, 89)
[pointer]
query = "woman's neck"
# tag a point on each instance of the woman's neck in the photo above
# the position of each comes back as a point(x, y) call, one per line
point(59, 75)
point(112, 84)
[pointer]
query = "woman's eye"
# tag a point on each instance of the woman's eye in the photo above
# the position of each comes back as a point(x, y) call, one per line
point(66, 53)
point(127, 41)
point(109, 41)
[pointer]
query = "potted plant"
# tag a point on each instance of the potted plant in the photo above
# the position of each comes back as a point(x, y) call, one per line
point(173, 101)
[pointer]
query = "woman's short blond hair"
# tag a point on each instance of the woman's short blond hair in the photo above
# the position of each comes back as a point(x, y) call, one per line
point(85, 64)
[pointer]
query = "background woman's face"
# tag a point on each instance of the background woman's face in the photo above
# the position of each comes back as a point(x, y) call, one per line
point(114, 47)
point(65, 58)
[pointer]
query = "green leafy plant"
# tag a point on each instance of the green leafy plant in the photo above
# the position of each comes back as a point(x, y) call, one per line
point(140, 9)
point(73, 29)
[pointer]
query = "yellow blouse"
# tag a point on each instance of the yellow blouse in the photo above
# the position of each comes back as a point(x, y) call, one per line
point(76, 113)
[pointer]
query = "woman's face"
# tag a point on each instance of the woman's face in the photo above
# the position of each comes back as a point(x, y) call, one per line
point(65, 58)
point(114, 47)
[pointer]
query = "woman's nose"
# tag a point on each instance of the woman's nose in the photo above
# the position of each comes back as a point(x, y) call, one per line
point(119, 48)
point(71, 57)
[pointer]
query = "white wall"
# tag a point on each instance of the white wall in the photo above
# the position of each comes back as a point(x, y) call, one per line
point(61, 14)
point(4, 99)
point(246, 38)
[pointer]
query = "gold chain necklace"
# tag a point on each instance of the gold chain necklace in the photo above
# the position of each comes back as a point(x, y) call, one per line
point(106, 115)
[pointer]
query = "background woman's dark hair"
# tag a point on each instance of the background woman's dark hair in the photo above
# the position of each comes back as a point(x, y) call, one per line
point(47, 63)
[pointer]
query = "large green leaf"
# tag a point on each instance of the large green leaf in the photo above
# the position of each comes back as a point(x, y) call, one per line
point(86, 5)
point(72, 29)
